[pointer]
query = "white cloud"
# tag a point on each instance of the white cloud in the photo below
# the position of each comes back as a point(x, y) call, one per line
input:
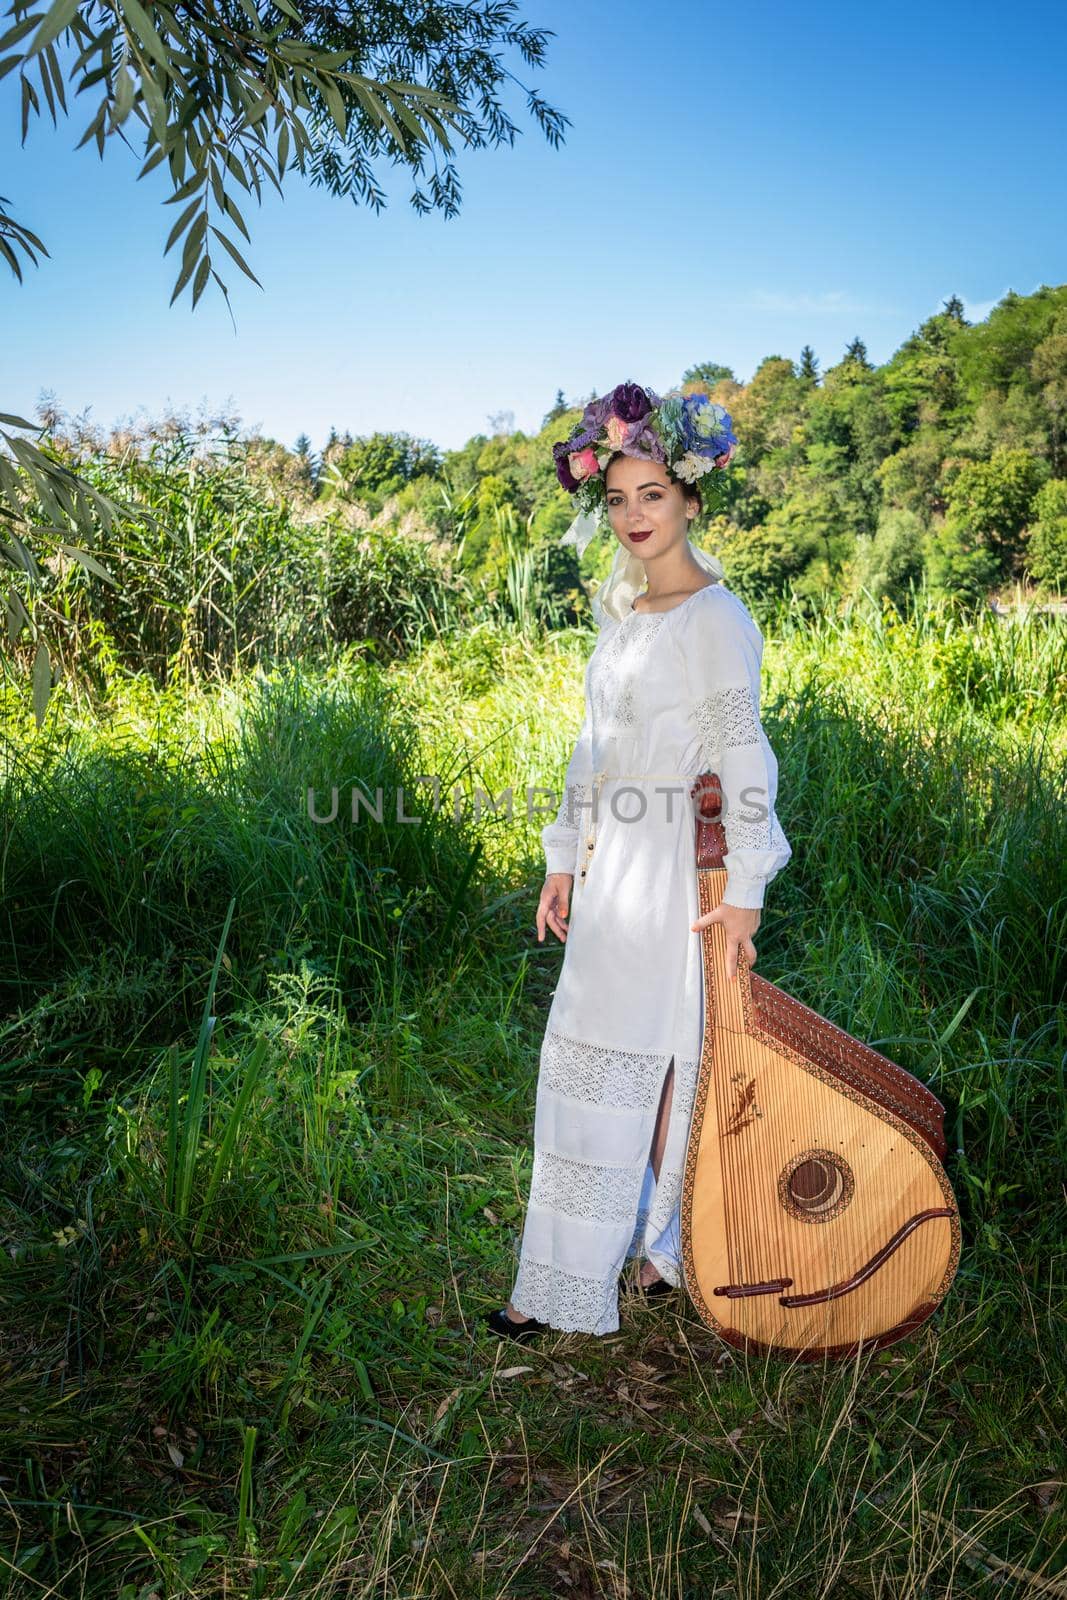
point(828, 302)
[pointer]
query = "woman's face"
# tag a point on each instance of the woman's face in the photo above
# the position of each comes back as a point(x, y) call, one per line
point(642, 500)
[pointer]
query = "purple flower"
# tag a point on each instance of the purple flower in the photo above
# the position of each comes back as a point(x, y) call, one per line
point(630, 402)
point(560, 452)
point(646, 445)
point(597, 413)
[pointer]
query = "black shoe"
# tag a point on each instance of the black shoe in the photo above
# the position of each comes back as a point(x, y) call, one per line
point(501, 1324)
point(650, 1291)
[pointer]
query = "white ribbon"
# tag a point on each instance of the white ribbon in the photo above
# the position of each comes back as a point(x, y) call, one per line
point(615, 595)
point(585, 527)
point(626, 580)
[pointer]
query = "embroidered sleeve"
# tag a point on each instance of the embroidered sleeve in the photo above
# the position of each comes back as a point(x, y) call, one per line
point(560, 839)
point(724, 652)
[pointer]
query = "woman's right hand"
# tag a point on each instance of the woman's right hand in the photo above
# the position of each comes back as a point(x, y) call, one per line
point(554, 905)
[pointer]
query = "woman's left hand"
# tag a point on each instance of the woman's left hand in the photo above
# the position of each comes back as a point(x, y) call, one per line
point(740, 925)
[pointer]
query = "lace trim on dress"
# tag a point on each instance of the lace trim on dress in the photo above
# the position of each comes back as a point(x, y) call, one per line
point(601, 1075)
point(575, 806)
point(566, 1300)
point(728, 719)
point(665, 1201)
point(685, 1080)
point(747, 833)
point(754, 833)
point(655, 1219)
point(581, 1189)
point(575, 809)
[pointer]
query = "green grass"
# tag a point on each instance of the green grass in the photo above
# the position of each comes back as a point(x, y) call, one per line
point(267, 1094)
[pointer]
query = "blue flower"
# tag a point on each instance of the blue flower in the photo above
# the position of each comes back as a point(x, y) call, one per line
point(707, 428)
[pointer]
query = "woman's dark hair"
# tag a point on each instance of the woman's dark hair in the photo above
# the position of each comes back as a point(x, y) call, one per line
point(690, 490)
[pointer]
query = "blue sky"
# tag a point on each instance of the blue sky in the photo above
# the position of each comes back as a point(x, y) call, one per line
point(737, 182)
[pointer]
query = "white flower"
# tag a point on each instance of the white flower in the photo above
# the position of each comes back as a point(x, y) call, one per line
point(692, 466)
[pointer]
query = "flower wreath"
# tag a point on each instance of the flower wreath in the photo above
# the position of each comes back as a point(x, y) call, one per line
point(688, 433)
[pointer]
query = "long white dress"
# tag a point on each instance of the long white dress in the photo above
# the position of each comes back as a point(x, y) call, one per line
point(668, 695)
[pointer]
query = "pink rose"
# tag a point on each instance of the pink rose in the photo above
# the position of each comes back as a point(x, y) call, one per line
point(618, 432)
point(726, 457)
point(584, 464)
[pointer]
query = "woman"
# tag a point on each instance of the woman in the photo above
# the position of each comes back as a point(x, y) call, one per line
point(671, 690)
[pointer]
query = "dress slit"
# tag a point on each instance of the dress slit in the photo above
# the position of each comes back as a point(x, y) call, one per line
point(657, 1234)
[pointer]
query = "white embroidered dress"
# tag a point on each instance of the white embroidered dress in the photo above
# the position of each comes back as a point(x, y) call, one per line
point(668, 695)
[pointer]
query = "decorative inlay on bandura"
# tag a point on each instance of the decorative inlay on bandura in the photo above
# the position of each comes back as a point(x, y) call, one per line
point(746, 1110)
point(816, 1185)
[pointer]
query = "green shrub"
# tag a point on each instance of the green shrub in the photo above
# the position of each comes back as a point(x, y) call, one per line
point(1046, 553)
point(889, 561)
